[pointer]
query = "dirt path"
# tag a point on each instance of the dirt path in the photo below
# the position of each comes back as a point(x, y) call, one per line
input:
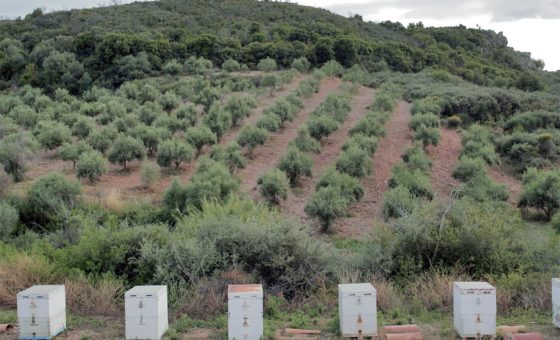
point(295, 204)
point(513, 184)
point(266, 156)
point(444, 158)
point(388, 154)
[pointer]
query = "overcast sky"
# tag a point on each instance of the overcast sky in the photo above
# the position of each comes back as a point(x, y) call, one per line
point(530, 25)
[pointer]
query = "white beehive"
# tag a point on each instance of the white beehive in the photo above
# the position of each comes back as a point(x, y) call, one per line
point(41, 311)
point(357, 308)
point(145, 310)
point(474, 309)
point(556, 302)
point(245, 312)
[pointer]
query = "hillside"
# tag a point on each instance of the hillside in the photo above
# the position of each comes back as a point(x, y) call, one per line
point(197, 144)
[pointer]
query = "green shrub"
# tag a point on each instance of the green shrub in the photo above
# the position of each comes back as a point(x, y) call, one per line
point(417, 182)
point(231, 65)
point(468, 168)
point(273, 185)
point(427, 119)
point(398, 202)
point(327, 204)
point(200, 136)
point(427, 135)
point(234, 158)
point(368, 125)
point(51, 135)
point(125, 150)
point(284, 109)
point(267, 65)
point(9, 217)
point(305, 143)
point(83, 127)
point(188, 114)
point(321, 126)
point(332, 69)
point(271, 81)
point(172, 67)
point(174, 152)
point(149, 174)
point(251, 136)
point(355, 162)
point(482, 188)
point(542, 192)
point(295, 164)
point(50, 199)
point(349, 187)
point(555, 221)
point(101, 140)
point(427, 105)
point(269, 122)
point(416, 159)
point(474, 149)
point(211, 181)
point(218, 120)
point(368, 144)
point(383, 102)
point(5, 182)
point(239, 108)
point(73, 151)
point(91, 165)
point(301, 64)
point(15, 150)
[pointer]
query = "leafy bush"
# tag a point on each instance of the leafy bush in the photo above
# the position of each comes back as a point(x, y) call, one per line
point(270, 81)
point(284, 109)
point(172, 67)
point(200, 136)
point(149, 174)
point(15, 150)
point(273, 185)
point(383, 102)
point(416, 159)
point(267, 65)
point(83, 127)
point(428, 105)
point(355, 162)
point(5, 182)
point(417, 182)
point(91, 165)
point(474, 149)
point(50, 199)
point(468, 168)
point(482, 188)
point(211, 181)
point(51, 135)
point(555, 221)
point(350, 187)
point(9, 217)
point(218, 120)
point(321, 126)
point(427, 119)
point(239, 108)
point(398, 202)
point(454, 121)
point(232, 156)
point(427, 135)
point(301, 64)
point(327, 204)
point(531, 121)
point(295, 164)
point(231, 65)
point(269, 122)
point(175, 152)
point(125, 150)
point(305, 143)
point(368, 144)
point(101, 140)
point(542, 192)
point(187, 113)
point(369, 125)
point(251, 136)
point(73, 151)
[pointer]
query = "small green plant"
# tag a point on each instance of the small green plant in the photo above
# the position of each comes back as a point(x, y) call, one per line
point(149, 174)
point(251, 136)
point(91, 165)
point(126, 149)
point(327, 204)
point(355, 162)
point(273, 186)
point(175, 152)
point(295, 164)
point(468, 168)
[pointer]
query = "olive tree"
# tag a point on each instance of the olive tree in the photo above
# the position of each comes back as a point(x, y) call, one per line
point(51, 135)
point(174, 152)
point(218, 120)
point(200, 136)
point(542, 192)
point(273, 185)
point(270, 81)
point(321, 126)
point(73, 151)
point(83, 127)
point(355, 162)
point(267, 65)
point(239, 108)
point(327, 204)
point(295, 164)
point(231, 65)
point(149, 173)
point(126, 149)
point(301, 64)
point(91, 165)
point(15, 150)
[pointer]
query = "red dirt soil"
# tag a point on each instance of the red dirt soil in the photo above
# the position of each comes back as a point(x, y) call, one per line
point(266, 156)
point(513, 184)
point(368, 210)
point(444, 158)
point(127, 182)
point(297, 199)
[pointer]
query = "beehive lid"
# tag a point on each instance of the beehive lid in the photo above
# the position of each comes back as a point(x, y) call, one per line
point(146, 291)
point(351, 289)
point(556, 282)
point(245, 291)
point(475, 286)
point(41, 291)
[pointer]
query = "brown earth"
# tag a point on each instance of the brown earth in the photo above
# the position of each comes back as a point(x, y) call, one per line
point(513, 184)
point(266, 156)
point(331, 148)
point(368, 210)
point(444, 158)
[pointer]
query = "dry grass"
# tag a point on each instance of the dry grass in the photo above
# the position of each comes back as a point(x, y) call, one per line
point(19, 272)
point(388, 297)
point(94, 298)
point(530, 291)
point(434, 290)
point(114, 202)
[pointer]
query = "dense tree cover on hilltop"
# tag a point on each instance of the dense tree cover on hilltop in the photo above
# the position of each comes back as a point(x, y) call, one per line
point(107, 46)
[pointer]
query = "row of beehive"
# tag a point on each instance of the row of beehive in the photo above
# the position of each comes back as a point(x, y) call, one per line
point(42, 310)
